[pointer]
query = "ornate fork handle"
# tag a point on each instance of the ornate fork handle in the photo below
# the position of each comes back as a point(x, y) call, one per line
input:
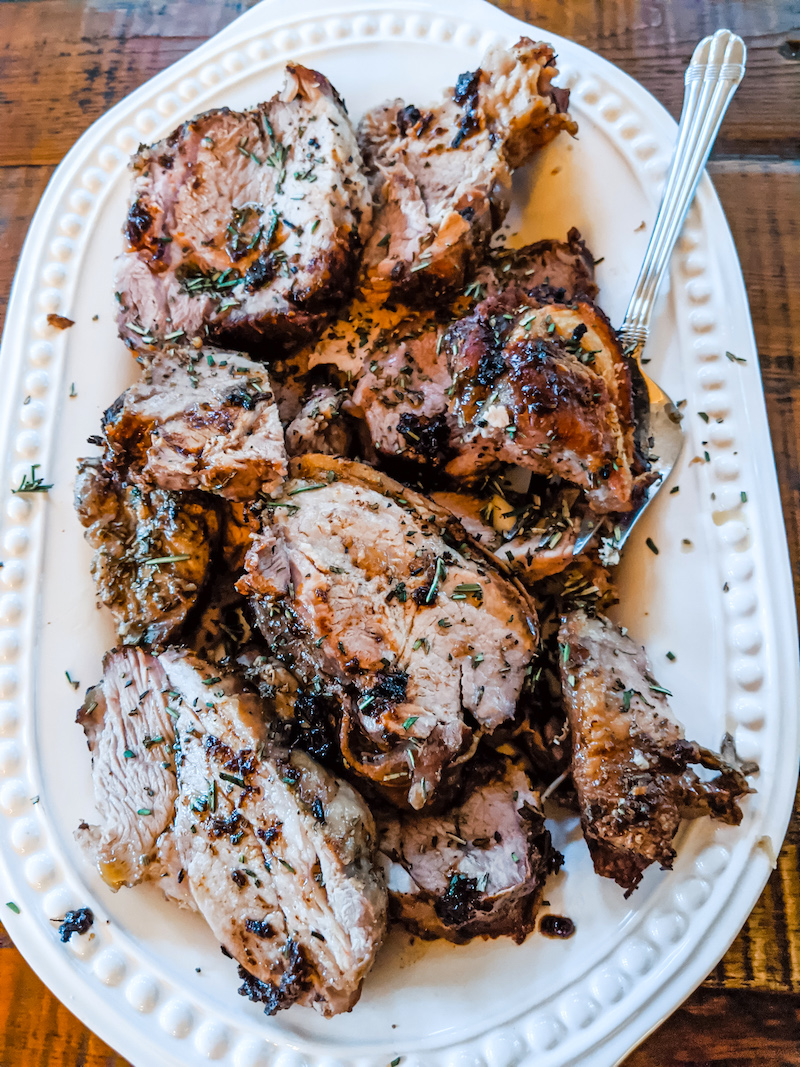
point(711, 79)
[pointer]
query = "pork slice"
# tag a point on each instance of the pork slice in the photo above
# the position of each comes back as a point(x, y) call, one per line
point(441, 175)
point(320, 426)
point(130, 734)
point(375, 587)
point(630, 761)
point(397, 355)
point(245, 227)
point(565, 266)
point(402, 396)
point(308, 709)
point(200, 419)
point(477, 870)
point(534, 537)
point(278, 852)
point(152, 551)
point(546, 386)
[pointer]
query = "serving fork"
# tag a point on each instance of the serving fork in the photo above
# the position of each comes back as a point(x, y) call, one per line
point(711, 79)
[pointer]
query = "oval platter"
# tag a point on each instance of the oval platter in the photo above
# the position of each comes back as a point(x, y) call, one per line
point(149, 979)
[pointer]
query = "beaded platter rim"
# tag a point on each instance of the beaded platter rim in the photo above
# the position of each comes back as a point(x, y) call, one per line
point(108, 982)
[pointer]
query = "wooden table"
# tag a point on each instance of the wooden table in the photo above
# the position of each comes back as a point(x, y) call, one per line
point(64, 62)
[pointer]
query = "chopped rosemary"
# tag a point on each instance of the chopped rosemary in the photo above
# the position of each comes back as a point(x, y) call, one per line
point(145, 811)
point(306, 488)
point(155, 560)
point(438, 574)
point(71, 681)
point(476, 290)
point(233, 779)
point(652, 545)
point(31, 484)
point(468, 587)
point(12, 906)
point(410, 722)
point(735, 359)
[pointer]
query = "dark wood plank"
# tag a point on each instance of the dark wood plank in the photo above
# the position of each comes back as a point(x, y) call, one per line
point(96, 55)
point(21, 189)
point(726, 1030)
point(99, 53)
point(762, 201)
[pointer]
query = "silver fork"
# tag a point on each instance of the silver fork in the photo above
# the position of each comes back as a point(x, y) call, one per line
point(711, 79)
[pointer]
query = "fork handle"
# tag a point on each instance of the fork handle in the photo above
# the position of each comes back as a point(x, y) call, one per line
point(711, 79)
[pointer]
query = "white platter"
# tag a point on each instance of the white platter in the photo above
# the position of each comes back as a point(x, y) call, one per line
point(723, 606)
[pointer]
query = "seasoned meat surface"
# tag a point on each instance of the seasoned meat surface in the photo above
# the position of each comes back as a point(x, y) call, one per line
point(544, 385)
point(361, 580)
point(200, 419)
point(279, 853)
point(130, 734)
point(400, 358)
point(534, 539)
point(245, 227)
point(441, 175)
point(320, 426)
point(152, 551)
point(630, 762)
point(479, 869)
point(402, 393)
point(567, 265)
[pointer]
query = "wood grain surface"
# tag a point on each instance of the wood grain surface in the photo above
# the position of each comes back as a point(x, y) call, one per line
point(64, 62)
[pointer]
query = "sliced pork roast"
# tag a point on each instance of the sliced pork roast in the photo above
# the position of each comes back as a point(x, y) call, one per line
point(441, 175)
point(479, 869)
point(278, 853)
point(320, 426)
point(200, 419)
point(152, 551)
point(402, 358)
point(361, 580)
point(245, 227)
point(631, 765)
point(533, 533)
point(567, 265)
point(544, 385)
point(130, 732)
